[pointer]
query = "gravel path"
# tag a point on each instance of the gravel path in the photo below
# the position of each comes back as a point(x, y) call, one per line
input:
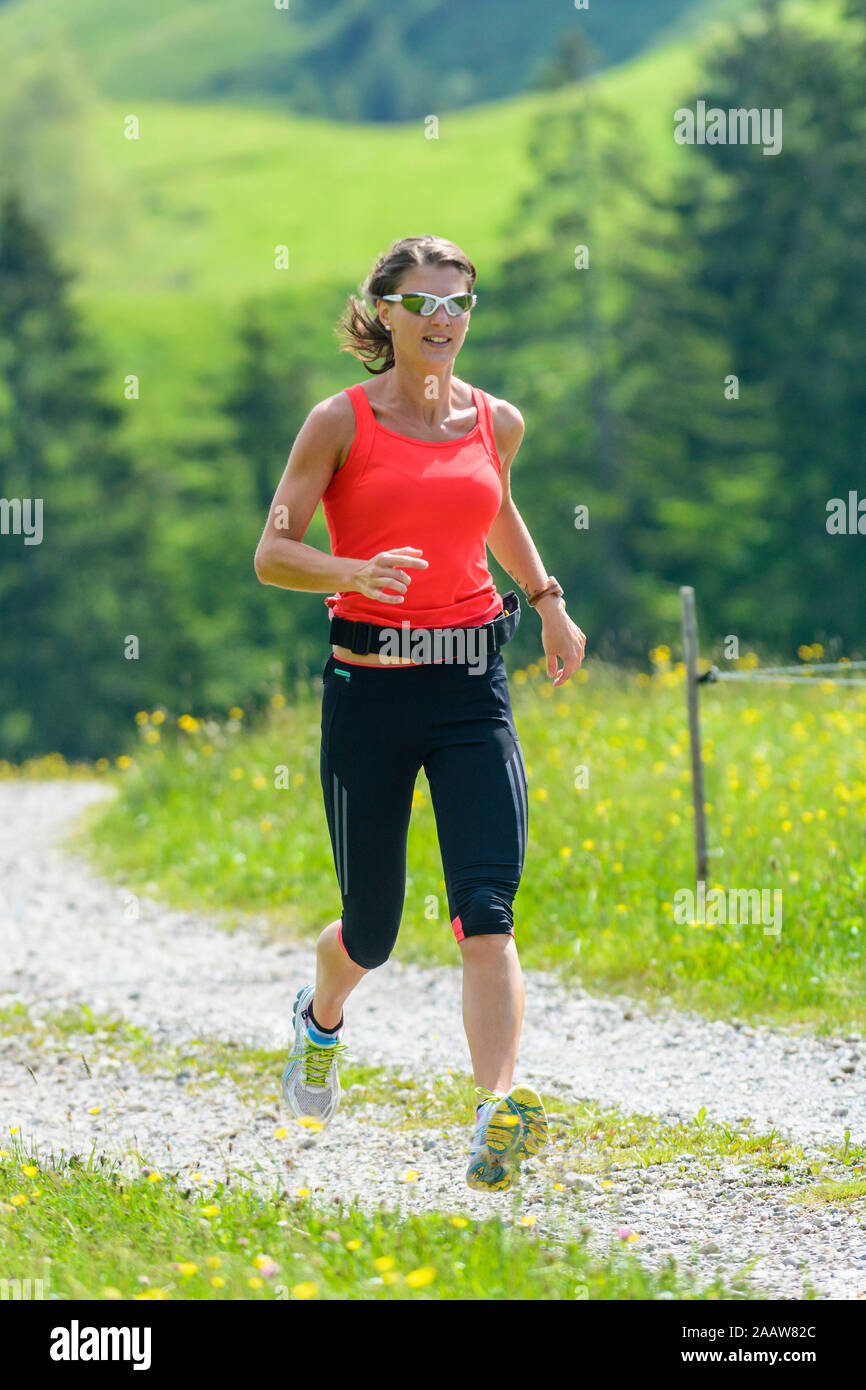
point(64, 939)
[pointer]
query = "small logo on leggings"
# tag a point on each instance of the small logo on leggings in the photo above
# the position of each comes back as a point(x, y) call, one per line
point(338, 670)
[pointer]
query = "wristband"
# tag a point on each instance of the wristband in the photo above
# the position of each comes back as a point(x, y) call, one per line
point(552, 587)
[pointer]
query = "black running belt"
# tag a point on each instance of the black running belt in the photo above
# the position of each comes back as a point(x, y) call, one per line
point(363, 638)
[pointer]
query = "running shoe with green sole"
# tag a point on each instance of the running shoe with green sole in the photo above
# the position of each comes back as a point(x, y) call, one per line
point(508, 1129)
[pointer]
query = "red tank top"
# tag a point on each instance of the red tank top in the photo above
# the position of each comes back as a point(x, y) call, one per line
point(439, 496)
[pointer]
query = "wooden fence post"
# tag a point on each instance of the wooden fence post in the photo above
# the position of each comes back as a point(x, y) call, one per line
point(690, 653)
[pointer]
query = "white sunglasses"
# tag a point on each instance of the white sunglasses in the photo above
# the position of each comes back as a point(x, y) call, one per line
point(426, 304)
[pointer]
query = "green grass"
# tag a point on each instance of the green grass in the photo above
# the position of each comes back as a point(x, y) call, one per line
point(94, 1234)
point(200, 822)
point(94, 1230)
point(846, 1191)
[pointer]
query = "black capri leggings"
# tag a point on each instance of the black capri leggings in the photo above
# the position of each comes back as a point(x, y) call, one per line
point(379, 726)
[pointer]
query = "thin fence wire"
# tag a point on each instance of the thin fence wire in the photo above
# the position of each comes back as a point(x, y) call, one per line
point(817, 666)
point(775, 680)
point(788, 675)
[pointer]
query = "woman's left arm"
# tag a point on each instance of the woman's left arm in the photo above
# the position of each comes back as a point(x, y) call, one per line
point(513, 547)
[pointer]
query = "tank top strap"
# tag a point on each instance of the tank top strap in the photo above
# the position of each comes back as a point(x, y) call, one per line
point(485, 420)
point(365, 423)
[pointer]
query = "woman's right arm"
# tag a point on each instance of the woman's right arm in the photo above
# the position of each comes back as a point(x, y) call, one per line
point(322, 445)
point(281, 557)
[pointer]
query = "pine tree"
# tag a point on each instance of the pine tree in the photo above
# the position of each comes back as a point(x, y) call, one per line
point(783, 245)
point(67, 603)
point(619, 367)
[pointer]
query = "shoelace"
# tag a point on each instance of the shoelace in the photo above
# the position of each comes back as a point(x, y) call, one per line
point(317, 1061)
point(533, 1110)
point(494, 1170)
point(488, 1095)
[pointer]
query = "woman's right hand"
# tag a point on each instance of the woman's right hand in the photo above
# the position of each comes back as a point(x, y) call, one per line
point(384, 570)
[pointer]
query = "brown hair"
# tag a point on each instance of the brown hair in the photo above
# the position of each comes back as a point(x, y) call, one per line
point(361, 331)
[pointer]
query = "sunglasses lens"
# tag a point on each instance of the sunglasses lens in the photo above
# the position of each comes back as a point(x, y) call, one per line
point(425, 303)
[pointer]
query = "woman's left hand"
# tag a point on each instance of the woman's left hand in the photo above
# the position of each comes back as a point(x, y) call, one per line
point(561, 638)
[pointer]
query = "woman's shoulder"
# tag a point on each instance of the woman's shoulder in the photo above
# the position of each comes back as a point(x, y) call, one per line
point(334, 408)
point(508, 423)
point(332, 421)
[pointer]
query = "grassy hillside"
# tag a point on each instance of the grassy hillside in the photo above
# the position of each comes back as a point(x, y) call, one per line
point(173, 231)
point(205, 194)
point(350, 59)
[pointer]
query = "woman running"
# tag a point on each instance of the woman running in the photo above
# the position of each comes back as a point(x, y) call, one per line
point(413, 474)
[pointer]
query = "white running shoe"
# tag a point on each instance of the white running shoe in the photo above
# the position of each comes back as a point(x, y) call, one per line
point(311, 1081)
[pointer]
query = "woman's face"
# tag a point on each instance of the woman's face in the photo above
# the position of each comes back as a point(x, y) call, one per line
point(411, 333)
